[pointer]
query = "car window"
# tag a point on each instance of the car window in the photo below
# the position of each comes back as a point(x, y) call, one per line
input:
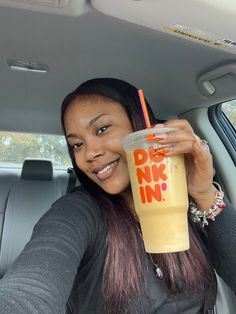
point(223, 119)
point(15, 147)
point(229, 109)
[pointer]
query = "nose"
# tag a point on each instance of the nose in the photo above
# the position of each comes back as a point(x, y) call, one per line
point(93, 149)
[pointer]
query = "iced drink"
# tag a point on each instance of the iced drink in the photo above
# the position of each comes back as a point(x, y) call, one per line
point(160, 192)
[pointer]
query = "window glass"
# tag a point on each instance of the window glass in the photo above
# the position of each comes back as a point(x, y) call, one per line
point(229, 109)
point(15, 147)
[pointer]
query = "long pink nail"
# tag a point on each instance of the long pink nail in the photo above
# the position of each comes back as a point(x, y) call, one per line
point(161, 136)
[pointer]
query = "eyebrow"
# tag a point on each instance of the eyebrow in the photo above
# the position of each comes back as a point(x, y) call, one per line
point(91, 122)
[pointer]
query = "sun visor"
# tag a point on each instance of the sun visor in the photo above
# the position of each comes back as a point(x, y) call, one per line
point(206, 22)
point(60, 7)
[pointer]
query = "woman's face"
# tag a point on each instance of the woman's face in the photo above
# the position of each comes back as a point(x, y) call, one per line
point(95, 128)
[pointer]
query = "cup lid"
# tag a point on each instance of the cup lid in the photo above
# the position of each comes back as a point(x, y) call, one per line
point(141, 135)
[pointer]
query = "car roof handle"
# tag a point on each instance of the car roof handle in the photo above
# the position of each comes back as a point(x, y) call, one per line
point(205, 85)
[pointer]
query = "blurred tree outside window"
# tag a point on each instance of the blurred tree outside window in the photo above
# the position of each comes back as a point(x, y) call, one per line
point(229, 109)
point(15, 147)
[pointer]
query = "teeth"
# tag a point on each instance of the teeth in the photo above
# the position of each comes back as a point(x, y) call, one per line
point(106, 168)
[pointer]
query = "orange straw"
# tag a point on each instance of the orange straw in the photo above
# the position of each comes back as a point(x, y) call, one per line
point(144, 108)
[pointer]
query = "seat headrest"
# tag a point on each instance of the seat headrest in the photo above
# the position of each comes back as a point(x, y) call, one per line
point(37, 169)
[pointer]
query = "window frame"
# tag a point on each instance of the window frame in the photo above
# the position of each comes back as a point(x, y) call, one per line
point(224, 129)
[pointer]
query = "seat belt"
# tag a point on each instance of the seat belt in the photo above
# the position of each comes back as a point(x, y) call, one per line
point(68, 309)
point(71, 180)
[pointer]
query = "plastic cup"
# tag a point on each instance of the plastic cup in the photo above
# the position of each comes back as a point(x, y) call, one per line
point(159, 191)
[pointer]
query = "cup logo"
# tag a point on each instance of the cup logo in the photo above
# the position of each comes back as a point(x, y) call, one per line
point(150, 168)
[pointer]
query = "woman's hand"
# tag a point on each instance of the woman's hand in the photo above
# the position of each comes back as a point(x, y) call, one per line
point(198, 161)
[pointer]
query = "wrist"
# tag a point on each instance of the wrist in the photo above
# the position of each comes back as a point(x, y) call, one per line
point(205, 200)
point(200, 215)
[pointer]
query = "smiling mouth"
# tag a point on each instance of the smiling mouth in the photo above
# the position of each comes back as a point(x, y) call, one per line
point(107, 171)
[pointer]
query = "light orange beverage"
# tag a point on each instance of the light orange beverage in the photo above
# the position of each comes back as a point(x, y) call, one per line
point(160, 192)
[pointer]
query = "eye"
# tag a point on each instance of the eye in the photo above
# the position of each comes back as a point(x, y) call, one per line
point(102, 129)
point(75, 147)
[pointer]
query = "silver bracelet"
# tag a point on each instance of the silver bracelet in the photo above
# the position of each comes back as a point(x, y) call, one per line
point(202, 216)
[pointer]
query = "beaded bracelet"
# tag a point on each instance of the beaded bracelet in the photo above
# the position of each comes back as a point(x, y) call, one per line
point(202, 217)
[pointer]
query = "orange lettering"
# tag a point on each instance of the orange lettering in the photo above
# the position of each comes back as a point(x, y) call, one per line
point(144, 174)
point(140, 156)
point(154, 155)
point(158, 172)
point(142, 194)
point(153, 193)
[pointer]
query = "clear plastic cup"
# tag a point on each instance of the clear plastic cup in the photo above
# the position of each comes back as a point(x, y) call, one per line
point(159, 191)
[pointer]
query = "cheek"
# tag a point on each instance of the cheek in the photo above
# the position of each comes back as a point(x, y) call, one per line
point(115, 143)
point(78, 161)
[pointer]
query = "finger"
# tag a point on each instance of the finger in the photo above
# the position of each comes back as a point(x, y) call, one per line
point(184, 147)
point(178, 123)
point(199, 150)
point(176, 136)
point(202, 159)
point(202, 155)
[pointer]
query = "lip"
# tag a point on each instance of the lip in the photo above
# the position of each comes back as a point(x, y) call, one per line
point(107, 173)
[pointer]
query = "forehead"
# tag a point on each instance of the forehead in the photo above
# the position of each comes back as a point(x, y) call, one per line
point(91, 105)
point(83, 112)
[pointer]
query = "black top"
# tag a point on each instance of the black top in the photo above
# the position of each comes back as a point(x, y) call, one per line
point(65, 258)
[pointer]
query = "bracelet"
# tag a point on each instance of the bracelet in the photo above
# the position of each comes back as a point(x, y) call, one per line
point(202, 216)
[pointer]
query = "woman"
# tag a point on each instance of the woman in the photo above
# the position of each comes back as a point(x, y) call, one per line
point(88, 247)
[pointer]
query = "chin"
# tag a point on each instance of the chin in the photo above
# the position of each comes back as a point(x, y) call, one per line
point(114, 189)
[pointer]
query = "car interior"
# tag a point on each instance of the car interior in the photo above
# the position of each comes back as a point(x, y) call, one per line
point(181, 53)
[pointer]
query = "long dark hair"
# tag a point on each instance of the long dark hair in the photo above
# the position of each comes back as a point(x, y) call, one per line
point(124, 268)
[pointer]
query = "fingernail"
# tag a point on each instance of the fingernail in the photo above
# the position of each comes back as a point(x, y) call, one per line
point(161, 136)
point(159, 125)
point(156, 137)
point(163, 150)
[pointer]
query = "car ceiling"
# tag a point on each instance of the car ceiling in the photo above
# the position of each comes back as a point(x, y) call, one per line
point(94, 44)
